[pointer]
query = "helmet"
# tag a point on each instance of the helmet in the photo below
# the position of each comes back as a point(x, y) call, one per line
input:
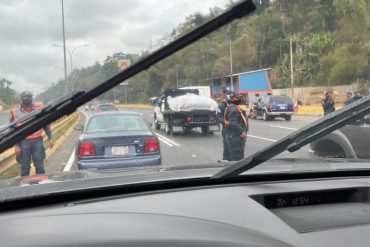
point(226, 90)
point(26, 94)
point(236, 98)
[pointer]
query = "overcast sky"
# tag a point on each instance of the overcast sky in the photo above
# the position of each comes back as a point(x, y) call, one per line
point(29, 28)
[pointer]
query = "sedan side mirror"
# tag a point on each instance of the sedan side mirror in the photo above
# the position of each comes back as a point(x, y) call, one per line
point(79, 127)
point(150, 124)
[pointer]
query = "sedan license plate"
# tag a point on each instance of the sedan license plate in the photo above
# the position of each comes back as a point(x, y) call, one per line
point(214, 128)
point(282, 107)
point(120, 150)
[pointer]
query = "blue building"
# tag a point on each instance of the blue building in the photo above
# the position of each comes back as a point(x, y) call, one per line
point(251, 84)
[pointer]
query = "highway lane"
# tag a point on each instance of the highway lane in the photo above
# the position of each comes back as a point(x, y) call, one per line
point(195, 148)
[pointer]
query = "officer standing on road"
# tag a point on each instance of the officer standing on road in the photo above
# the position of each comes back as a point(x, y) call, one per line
point(328, 103)
point(32, 147)
point(220, 119)
point(236, 124)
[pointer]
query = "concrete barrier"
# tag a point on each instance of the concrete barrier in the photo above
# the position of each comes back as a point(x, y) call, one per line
point(312, 110)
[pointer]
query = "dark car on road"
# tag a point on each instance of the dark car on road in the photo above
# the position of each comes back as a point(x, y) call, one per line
point(274, 106)
point(113, 140)
point(106, 107)
point(350, 141)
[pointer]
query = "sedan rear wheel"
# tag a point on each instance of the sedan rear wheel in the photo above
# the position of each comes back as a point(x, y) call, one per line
point(265, 116)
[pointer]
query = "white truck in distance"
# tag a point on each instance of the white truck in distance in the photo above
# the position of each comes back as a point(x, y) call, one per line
point(181, 110)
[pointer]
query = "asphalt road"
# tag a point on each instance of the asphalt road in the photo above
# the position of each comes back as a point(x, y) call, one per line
point(195, 148)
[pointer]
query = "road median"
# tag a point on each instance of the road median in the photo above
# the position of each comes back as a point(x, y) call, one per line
point(312, 110)
point(61, 129)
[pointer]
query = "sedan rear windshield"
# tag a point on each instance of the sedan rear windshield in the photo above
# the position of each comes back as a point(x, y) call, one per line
point(109, 123)
point(281, 100)
point(107, 107)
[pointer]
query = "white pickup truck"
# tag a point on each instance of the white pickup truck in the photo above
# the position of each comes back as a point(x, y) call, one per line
point(181, 110)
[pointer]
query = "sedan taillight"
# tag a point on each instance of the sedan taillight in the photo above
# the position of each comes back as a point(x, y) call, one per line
point(151, 145)
point(86, 148)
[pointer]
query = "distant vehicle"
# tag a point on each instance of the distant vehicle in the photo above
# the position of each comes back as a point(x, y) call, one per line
point(350, 141)
point(181, 110)
point(113, 140)
point(274, 106)
point(106, 107)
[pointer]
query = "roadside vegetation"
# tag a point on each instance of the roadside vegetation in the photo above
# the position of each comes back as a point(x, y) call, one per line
point(330, 43)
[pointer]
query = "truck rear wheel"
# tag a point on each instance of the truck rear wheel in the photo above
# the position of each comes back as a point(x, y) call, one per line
point(157, 124)
point(205, 130)
point(169, 129)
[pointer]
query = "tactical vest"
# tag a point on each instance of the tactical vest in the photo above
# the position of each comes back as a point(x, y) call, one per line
point(241, 116)
point(17, 113)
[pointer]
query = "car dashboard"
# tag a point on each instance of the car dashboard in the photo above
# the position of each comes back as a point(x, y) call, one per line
point(311, 212)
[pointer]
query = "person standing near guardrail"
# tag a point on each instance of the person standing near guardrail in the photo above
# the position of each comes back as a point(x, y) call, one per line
point(31, 148)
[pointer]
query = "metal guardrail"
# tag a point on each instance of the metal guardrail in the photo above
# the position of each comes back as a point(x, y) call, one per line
point(8, 159)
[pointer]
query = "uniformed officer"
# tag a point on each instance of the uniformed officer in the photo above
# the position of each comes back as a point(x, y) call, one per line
point(31, 148)
point(220, 119)
point(236, 123)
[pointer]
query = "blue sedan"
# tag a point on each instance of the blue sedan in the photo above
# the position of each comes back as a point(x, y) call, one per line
point(112, 140)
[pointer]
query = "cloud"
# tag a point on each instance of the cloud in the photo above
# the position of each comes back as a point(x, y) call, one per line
point(30, 27)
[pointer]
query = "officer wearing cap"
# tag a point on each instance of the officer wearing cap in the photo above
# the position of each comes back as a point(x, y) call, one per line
point(236, 123)
point(31, 148)
point(220, 118)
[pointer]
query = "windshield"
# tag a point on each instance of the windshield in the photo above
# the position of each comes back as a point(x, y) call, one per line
point(106, 123)
point(229, 95)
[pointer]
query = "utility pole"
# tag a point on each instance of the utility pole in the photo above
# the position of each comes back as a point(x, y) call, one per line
point(177, 77)
point(64, 52)
point(231, 59)
point(291, 70)
point(125, 84)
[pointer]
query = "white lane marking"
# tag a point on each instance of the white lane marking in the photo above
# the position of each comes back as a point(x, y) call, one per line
point(262, 138)
point(283, 127)
point(168, 140)
point(70, 161)
point(164, 141)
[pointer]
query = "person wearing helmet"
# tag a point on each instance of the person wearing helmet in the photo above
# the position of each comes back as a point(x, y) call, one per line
point(220, 119)
point(236, 123)
point(31, 148)
point(327, 103)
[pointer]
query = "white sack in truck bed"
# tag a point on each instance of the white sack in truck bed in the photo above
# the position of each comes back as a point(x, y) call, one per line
point(191, 102)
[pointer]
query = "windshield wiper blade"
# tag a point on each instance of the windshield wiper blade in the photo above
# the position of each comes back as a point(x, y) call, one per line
point(293, 142)
point(33, 124)
point(34, 121)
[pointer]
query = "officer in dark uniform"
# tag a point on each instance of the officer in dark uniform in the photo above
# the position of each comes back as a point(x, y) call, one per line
point(327, 103)
point(220, 119)
point(236, 123)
